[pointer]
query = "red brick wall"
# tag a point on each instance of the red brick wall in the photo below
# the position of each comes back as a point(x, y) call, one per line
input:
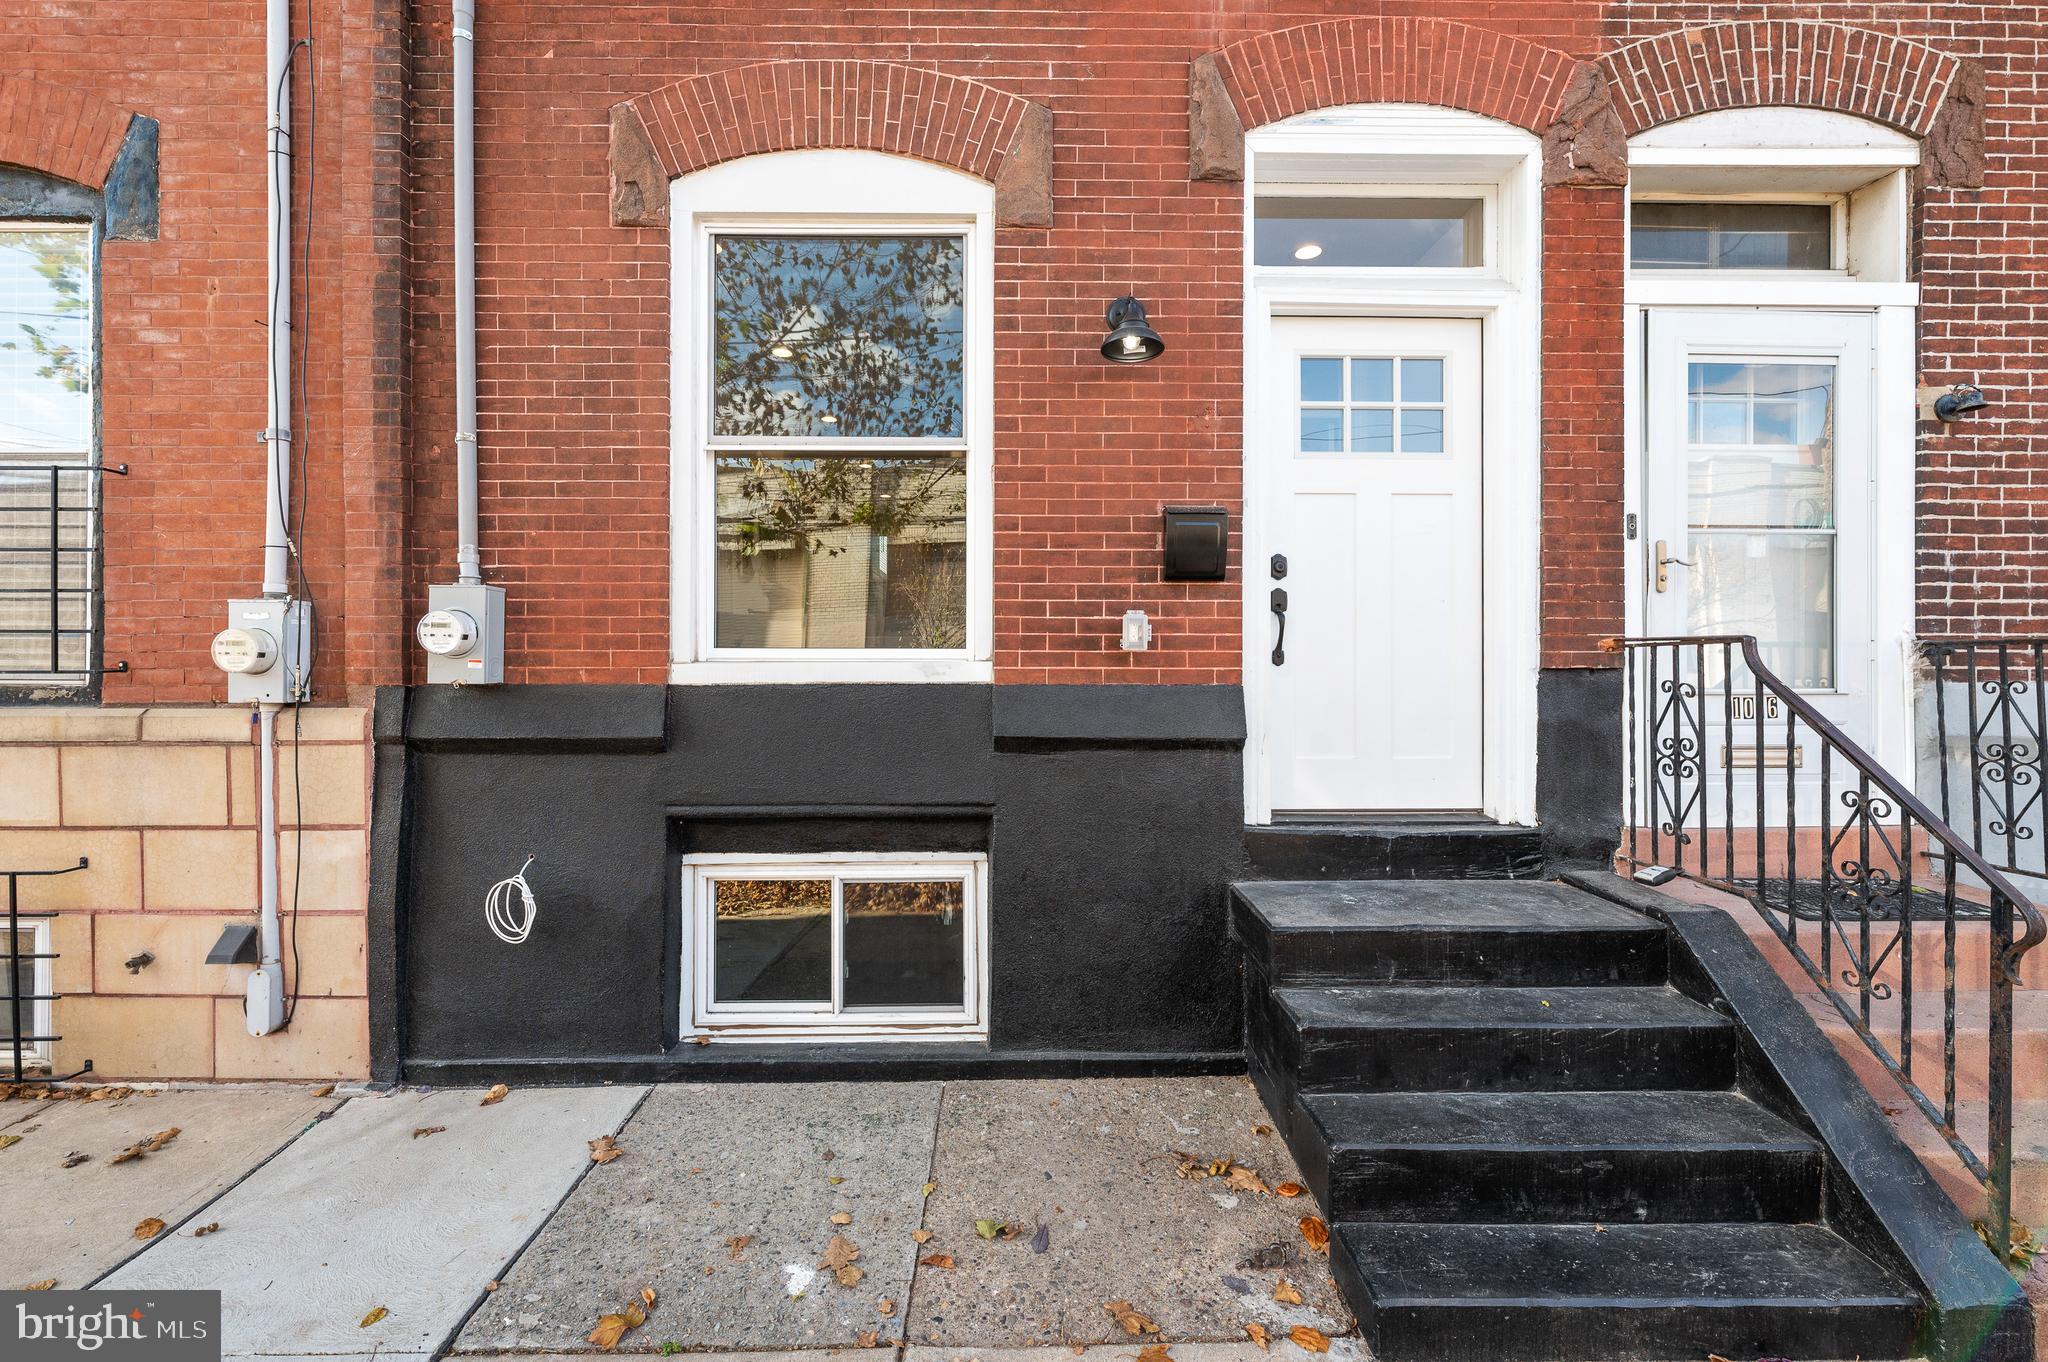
point(1983, 482)
point(575, 327)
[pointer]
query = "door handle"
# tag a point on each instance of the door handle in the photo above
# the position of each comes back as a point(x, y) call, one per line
point(1664, 562)
point(1280, 609)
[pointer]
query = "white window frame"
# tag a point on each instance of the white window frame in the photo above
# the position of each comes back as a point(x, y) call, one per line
point(821, 193)
point(41, 1017)
point(1486, 194)
point(703, 1017)
point(86, 458)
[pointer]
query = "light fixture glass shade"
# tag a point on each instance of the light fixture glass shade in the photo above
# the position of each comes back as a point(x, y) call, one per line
point(1131, 339)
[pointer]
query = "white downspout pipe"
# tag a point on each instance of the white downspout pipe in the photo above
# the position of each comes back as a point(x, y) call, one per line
point(264, 1008)
point(468, 567)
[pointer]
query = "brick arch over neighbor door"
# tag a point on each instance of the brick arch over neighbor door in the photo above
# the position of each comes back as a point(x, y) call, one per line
point(1275, 76)
point(794, 105)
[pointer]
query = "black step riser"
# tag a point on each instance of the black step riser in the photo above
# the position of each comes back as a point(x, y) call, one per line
point(1486, 1059)
point(1615, 1186)
point(1604, 1332)
point(1530, 959)
point(1394, 853)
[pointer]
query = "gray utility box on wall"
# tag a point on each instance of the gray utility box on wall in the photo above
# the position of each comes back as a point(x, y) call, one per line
point(463, 632)
point(264, 650)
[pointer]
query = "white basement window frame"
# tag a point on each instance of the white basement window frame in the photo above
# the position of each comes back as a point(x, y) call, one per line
point(705, 1018)
point(38, 1017)
point(823, 193)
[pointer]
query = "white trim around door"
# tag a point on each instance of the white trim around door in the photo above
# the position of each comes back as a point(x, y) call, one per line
point(1427, 153)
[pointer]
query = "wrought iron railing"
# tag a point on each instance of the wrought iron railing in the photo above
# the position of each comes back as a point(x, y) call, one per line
point(1990, 703)
point(1736, 780)
point(29, 995)
point(50, 571)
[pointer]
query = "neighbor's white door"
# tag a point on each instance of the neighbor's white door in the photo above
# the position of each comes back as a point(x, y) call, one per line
point(1758, 492)
point(1371, 469)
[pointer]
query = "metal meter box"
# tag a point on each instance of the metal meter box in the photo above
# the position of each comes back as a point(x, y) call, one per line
point(463, 633)
point(264, 650)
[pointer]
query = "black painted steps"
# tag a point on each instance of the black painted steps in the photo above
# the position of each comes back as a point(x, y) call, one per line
point(1496, 1039)
point(1394, 850)
point(1442, 932)
point(1523, 1293)
point(1614, 1157)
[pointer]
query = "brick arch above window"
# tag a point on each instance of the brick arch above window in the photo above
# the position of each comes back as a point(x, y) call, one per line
point(794, 105)
point(1886, 79)
point(59, 130)
point(1274, 76)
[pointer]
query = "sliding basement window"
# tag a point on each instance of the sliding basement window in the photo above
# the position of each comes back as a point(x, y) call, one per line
point(878, 945)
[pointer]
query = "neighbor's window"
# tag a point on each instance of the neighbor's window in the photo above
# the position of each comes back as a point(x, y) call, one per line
point(881, 941)
point(839, 442)
point(1760, 469)
point(1368, 231)
point(49, 483)
point(1731, 235)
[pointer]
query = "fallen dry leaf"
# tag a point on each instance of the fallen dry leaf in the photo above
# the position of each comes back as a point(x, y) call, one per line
point(8, 1141)
point(46, 1284)
point(610, 1329)
point(419, 1132)
point(942, 1261)
point(1316, 1232)
point(1309, 1340)
point(1257, 1334)
point(327, 1091)
point(160, 1139)
point(373, 1317)
point(885, 1307)
point(647, 1297)
point(1245, 1180)
point(921, 1236)
point(1262, 1130)
point(75, 1157)
point(1289, 1189)
point(988, 1229)
point(1154, 1352)
point(849, 1275)
point(842, 1218)
point(929, 1188)
point(1134, 1324)
point(838, 1253)
point(1287, 1293)
point(869, 1338)
point(204, 1230)
point(604, 1149)
point(491, 1286)
point(735, 1245)
point(498, 1093)
point(149, 1229)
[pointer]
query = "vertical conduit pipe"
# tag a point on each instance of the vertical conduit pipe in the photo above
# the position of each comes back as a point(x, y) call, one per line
point(468, 568)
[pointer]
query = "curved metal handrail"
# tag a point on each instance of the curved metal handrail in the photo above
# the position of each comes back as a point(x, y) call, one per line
point(1867, 765)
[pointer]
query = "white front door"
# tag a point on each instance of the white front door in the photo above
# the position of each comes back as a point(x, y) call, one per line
point(1371, 468)
point(1758, 493)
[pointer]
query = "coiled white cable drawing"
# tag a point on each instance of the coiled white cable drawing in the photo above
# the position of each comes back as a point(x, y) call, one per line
point(509, 924)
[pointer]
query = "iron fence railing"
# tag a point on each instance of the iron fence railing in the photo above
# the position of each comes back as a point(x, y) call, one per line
point(1736, 780)
point(30, 995)
point(1990, 719)
point(50, 571)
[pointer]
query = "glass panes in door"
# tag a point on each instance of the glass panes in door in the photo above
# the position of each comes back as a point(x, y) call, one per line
point(1760, 510)
point(1371, 404)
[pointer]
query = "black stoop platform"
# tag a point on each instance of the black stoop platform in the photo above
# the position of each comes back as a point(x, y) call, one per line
point(1532, 1147)
point(1392, 850)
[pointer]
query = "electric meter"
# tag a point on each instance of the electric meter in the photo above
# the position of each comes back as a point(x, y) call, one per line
point(447, 633)
point(244, 652)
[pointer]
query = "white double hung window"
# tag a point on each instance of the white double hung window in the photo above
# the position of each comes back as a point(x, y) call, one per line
point(49, 479)
point(832, 517)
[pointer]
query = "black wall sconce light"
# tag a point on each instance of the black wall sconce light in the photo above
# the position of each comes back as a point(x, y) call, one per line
point(1960, 400)
point(1131, 339)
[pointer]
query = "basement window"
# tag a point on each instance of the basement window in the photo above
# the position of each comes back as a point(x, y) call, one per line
point(881, 945)
point(27, 976)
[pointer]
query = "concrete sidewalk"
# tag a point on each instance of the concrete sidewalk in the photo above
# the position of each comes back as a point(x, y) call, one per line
point(959, 1220)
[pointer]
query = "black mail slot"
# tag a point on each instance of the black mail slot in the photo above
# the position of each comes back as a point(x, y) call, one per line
point(1197, 543)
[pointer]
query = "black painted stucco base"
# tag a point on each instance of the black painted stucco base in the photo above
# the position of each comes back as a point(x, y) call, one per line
point(1112, 817)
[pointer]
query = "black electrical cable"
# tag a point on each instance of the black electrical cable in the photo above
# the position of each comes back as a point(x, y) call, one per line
point(302, 582)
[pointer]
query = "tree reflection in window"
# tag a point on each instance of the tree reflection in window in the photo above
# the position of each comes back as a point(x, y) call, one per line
point(854, 336)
